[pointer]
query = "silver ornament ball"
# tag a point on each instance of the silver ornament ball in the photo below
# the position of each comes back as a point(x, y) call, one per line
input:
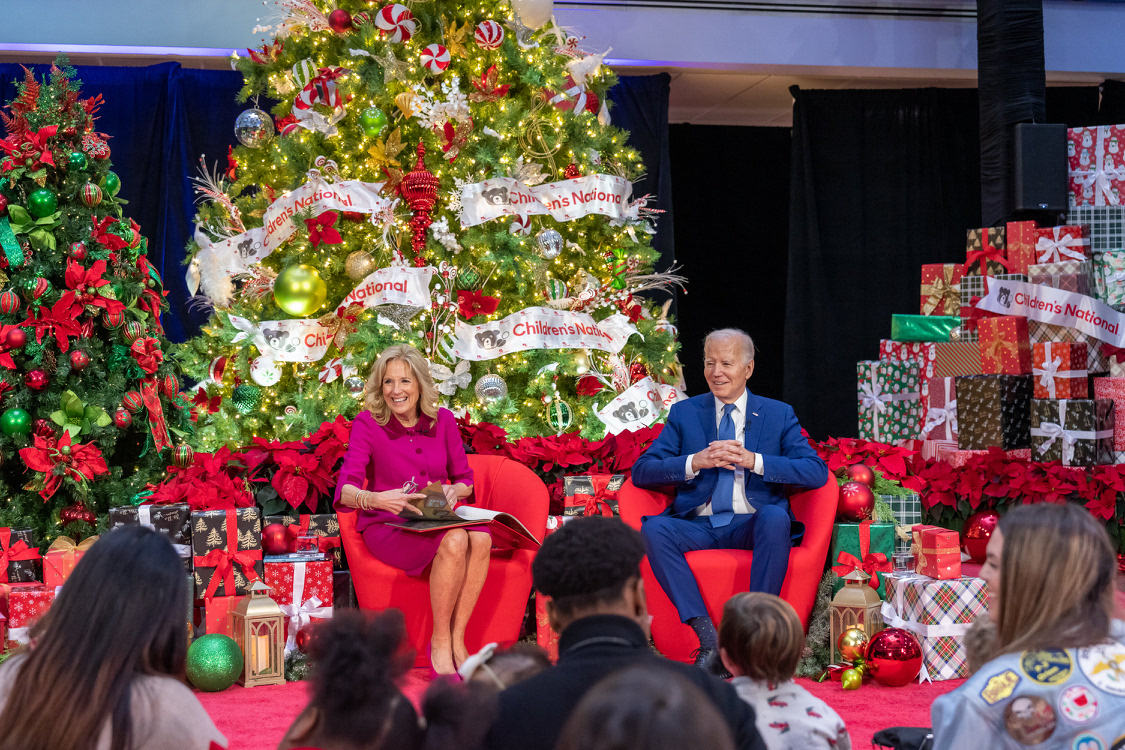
point(550, 243)
point(253, 128)
point(355, 385)
point(491, 388)
point(359, 265)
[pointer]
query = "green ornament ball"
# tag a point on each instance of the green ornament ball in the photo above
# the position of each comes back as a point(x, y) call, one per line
point(76, 160)
point(373, 121)
point(214, 662)
point(468, 278)
point(42, 202)
point(299, 290)
point(246, 398)
point(559, 415)
point(15, 421)
point(111, 183)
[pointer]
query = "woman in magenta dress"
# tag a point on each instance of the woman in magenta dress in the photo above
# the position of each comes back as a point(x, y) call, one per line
point(404, 439)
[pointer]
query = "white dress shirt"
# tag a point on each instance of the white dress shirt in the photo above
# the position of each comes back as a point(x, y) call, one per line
point(738, 414)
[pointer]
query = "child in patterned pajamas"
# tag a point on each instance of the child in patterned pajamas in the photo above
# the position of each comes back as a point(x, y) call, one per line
point(760, 642)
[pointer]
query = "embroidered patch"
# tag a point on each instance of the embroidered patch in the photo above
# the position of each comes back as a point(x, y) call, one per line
point(1078, 704)
point(1050, 666)
point(1088, 741)
point(999, 687)
point(1104, 665)
point(1029, 719)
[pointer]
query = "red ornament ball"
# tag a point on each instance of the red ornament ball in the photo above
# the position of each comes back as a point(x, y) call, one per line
point(275, 539)
point(44, 428)
point(637, 371)
point(894, 657)
point(36, 380)
point(3, 206)
point(856, 502)
point(976, 533)
point(9, 302)
point(77, 250)
point(169, 386)
point(571, 172)
point(304, 638)
point(122, 418)
point(861, 473)
point(16, 338)
point(113, 319)
point(78, 360)
point(133, 402)
point(77, 512)
point(340, 21)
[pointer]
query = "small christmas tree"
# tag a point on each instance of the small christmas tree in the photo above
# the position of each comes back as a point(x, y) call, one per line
point(89, 404)
point(437, 180)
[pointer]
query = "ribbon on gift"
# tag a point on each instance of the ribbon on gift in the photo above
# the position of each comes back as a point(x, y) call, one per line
point(324, 543)
point(13, 552)
point(987, 253)
point(66, 544)
point(874, 398)
point(994, 352)
point(1050, 372)
point(63, 554)
point(1055, 431)
point(598, 504)
point(1060, 249)
point(301, 615)
point(871, 563)
point(937, 416)
point(942, 292)
point(224, 560)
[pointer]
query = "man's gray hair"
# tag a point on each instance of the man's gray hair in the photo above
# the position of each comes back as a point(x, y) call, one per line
point(728, 334)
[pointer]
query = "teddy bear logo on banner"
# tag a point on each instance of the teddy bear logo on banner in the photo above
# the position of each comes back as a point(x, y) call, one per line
point(1004, 296)
point(280, 340)
point(246, 248)
point(629, 412)
point(497, 196)
point(491, 339)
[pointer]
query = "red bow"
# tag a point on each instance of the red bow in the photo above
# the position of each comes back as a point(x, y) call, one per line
point(224, 560)
point(62, 320)
point(146, 350)
point(13, 552)
point(972, 314)
point(475, 303)
point(82, 463)
point(323, 542)
point(33, 147)
point(156, 424)
point(321, 229)
point(985, 255)
point(872, 563)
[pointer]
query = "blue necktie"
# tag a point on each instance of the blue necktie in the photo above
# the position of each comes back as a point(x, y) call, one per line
point(722, 499)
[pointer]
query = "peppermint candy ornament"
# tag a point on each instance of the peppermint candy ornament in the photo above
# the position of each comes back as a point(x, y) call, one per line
point(435, 58)
point(396, 22)
point(489, 35)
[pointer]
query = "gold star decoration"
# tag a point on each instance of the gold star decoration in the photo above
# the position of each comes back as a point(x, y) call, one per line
point(393, 68)
point(384, 152)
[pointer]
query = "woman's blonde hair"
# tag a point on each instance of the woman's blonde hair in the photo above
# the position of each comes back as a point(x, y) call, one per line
point(373, 399)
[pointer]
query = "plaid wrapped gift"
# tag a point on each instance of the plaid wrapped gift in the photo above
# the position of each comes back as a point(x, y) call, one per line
point(1060, 370)
point(941, 294)
point(939, 613)
point(324, 526)
point(889, 405)
point(1112, 288)
point(172, 520)
point(304, 592)
point(1004, 346)
point(20, 561)
point(227, 545)
point(1079, 432)
point(986, 252)
point(994, 411)
point(1060, 244)
point(972, 289)
point(936, 449)
point(1070, 276)
point(924, 327)
point(591, 494)
point(1096, 360)
point(24, 604)
point(941, 416)
point(867, 546)
point(1113, 388)
point(1020, 238)
point(908, 513)
point(1106, 225)
point(1094, 158)
point(1119, 457)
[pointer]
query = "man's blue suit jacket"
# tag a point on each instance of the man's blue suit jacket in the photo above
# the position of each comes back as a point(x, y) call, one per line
point(772, 431)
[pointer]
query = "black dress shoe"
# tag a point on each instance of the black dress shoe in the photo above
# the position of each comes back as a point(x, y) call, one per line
point(708, 660)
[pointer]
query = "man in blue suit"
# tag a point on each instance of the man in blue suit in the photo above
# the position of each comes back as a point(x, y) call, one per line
point(730, 455)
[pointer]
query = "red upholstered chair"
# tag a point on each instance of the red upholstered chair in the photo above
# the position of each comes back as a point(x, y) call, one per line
point(498, 484)
point(725, 572)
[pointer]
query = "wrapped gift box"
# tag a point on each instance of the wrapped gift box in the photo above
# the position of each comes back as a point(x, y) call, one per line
point(547, 638)
point(941, 294)
point(1094, 155)
point(972, 289)
point(956, 358)
point(1070, 276)
point(172, 520)
point(986, 252)
point(304, 592)
point(939, 613)
point(554, 523)
point(1105, 225)
point(227, 545)
point(1115, 365)
point(61, 557)
point(324, 526)
point(1078, 432)
point(1096, 360)
point(1060, 370)
point(937, 551)
point(908, 513)
point(1005, 348)
point(889, 405)
point(934, 359)
point(26, 603)
point(959, 458)
point(867, 546)
point(591, 494)
point(343, 590)
point(1112, 289)
point(1062, 244)
point(936, 449)
point(24, 562)
point(924, 327)
point(994, 411)
point(941, 414)
point(216, 615)
point(1113, 388)
point(1020, 238)
point(1119, 457)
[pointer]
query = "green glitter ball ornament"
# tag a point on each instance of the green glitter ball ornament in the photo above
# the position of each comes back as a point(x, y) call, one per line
point(373, 121)
point(559, 415)
point(246, 398)
point(214, 662)
point(111, 183)
point(41, 203)
point(15, 421)
point(76, 160)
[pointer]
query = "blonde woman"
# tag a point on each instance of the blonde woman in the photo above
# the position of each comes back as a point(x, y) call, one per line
point(1048, 672)
point(403, 440)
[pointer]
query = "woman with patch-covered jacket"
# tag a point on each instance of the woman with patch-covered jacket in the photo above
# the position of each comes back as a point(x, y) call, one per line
point(1049, 667)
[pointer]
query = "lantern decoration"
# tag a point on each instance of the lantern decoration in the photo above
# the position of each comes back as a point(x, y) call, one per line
point(420, 187)
point(259, 630)
point(855, 605)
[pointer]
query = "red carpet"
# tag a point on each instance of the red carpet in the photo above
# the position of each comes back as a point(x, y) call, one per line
point(256, 719)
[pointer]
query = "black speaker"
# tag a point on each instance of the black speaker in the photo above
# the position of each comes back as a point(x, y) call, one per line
point(1040, 167)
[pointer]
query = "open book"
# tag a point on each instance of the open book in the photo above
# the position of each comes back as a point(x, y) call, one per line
point(507, 531)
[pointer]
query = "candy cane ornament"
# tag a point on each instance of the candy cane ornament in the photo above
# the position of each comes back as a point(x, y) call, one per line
point(489, 35)
point(397, 22)
point(435, 58)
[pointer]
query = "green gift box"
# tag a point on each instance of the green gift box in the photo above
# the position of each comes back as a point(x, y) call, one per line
point(867, 545)
point(924, 327)
point(889, 400)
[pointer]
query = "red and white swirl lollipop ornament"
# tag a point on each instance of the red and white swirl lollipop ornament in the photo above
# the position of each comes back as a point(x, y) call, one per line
point(489, 35)
point(396, 22)
point(435, 58)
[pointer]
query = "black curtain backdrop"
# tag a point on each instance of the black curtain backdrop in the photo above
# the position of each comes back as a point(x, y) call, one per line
point(732, 203)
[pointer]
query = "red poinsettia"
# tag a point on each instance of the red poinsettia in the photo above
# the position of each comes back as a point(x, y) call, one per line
point(146, 350)
point(487, 88)
point(58, 458)
point(331, 441)
point(630, 308)
point(81, 283)
point(588, 385)
point(61, 320)
point(300, 478)
point(475, 303)
point(101, 234)
point(321, 229)
point(33, 148)
point(212, 482)
point(151, 300)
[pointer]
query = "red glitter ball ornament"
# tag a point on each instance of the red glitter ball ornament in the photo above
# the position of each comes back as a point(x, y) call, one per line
point(856, 502)
point(77, 250)
point(78, 360)
point(637, 371)
point(36, 380)
point(3, 206)
point(571, 172)
point(122, 418)
point(976, 533)
point(44, 428)
point(275, 539)
point(340, 21)
point(420, 188)
point(861, 473)
point(16, 338)
point(169, 386)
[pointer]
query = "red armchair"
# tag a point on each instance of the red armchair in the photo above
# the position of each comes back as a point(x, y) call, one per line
point(498, 484)
point(724, 572)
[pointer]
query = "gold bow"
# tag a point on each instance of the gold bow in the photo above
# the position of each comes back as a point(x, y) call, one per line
point(343, 325)
point(942, 291)
point(66, 544)
point(995, 351)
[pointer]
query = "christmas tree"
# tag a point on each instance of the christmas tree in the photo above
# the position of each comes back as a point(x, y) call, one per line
point(89, 409)
point(441, 175)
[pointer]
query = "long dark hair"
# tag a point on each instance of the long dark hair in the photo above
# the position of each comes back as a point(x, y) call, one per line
point(122, 613)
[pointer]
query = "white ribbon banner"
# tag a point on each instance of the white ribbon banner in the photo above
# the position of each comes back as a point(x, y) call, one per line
point(670, 394)
point(541, 328)
point(396, 285)
point(603, 194)
point(301, 615)
point(285, 340)
point(1057, 307)
point(639, 405)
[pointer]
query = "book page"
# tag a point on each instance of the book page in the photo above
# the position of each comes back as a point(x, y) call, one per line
point(473, 513)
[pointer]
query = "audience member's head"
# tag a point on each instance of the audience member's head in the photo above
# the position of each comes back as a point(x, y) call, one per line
point(1049, 571)
point(122, 614)
point(355, 702)
point(761, 637)
point(645, 708)
point(499, 669)
point(591, 566)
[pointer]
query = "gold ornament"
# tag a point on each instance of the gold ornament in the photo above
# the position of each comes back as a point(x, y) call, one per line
point(299, 290)
point(534, 133)
point(405, 104)
point(455, 37)
point(359, 265)
point(852, 644)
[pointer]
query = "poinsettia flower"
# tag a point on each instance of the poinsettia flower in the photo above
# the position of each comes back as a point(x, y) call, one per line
point(299, 479)
point(101, 234)
point(146, 350)
point(588, 385)
point(61, 320)
point(473, 303)
point(58, 458)
point(33, 147)
point(321, 229)
point(81, 283)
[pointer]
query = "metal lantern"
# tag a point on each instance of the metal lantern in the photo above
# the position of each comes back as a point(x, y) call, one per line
point(857, 605)
point(259, 629)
